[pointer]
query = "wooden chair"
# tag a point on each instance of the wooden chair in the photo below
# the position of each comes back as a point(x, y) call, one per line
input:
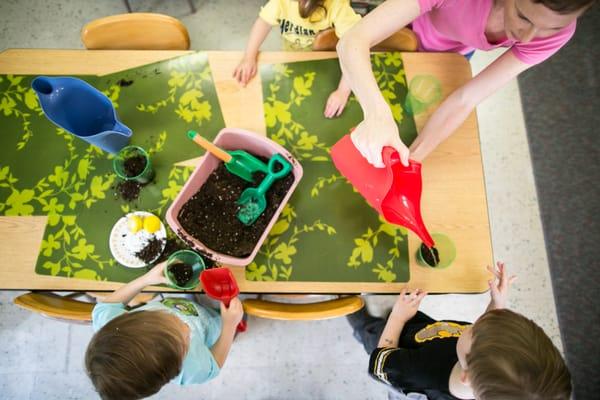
point(63, 308)
point(136, 31)
point(67, 308)
point(403, 40)
point(302, 311)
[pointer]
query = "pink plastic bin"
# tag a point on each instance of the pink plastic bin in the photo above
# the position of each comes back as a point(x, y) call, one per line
point(230, 139)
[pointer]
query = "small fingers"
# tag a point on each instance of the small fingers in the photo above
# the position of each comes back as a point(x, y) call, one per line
point(245, 77)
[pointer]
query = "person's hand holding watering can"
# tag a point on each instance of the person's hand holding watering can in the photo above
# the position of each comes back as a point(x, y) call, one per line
point(376, 132)
point(233, 314)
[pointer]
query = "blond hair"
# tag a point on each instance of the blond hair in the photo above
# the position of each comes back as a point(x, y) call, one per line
point(513, 358)
point(135, 354)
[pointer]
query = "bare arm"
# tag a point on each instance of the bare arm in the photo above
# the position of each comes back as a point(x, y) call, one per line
point(230, 317)
point(247, 67)
point(391, 332)
point(220, 349)
point(125, 293)
point(456, 108)
point(378, 128)
point(405, 308)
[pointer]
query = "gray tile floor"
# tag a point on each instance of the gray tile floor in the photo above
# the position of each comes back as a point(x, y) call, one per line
point(43, 359)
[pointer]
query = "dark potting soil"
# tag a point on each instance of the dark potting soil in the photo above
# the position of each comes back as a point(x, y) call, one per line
point(128, 190)
point(134, 166)
point(151, 250)
point(430, 255)
point(182, 273)
point(210, 215)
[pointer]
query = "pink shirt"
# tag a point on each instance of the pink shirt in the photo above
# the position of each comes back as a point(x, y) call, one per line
point(459, 26)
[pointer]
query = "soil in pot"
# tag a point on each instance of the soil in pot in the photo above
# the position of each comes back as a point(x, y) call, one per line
point(134, 165)
point(210, 216)
point(430, 255)
point(181, 273)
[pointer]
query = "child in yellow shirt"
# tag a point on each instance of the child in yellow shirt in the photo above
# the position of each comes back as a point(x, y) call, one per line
point(299, 22)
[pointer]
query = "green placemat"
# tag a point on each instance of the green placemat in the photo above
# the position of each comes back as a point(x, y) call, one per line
point(328, 232)
point(45, 170)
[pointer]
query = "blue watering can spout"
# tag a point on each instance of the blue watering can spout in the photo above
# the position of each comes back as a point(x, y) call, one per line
point(81, 109)
point(42, 86)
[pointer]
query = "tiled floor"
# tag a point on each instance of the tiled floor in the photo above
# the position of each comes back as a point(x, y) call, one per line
point(42, 359)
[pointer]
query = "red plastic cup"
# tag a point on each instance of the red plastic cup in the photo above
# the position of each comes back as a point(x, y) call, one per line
point(219, 284)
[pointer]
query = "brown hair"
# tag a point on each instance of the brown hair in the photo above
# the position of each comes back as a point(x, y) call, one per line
point(566, 6)
point(308, 7)
point(135, 354)
point(513, 358)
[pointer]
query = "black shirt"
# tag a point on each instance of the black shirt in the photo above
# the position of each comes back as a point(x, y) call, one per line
point(424, 358)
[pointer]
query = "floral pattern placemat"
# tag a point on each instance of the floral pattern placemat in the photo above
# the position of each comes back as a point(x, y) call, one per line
point(328, 232)
point(45, 170)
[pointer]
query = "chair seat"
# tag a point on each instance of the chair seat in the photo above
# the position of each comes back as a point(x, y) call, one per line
point(55, 306)
point(136, 31)
point(304, 311)
point(403, 40)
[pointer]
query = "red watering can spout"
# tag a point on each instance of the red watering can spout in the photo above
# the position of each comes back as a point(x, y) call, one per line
point(394, 191)
point(220, 284)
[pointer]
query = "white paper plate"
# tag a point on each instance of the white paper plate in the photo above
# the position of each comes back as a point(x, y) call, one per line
point(124, 244)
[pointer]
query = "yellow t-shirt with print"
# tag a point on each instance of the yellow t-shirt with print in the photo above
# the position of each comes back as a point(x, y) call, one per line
point(299, 33)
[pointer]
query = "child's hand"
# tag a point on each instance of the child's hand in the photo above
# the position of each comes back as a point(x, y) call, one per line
point(156, 275)
point(406, 306)
point(245, 71)
point(336, 103)
point(499, 286)
point(233, 314)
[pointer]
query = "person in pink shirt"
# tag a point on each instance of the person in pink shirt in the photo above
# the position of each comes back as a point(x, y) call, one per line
point(532, 30)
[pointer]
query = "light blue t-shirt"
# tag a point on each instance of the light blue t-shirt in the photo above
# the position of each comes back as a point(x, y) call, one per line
point(199, 365)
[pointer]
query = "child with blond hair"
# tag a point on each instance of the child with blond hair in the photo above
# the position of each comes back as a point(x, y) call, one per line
point(134, 353)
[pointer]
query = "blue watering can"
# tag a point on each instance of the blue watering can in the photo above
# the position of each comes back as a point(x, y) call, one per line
point(81, 109)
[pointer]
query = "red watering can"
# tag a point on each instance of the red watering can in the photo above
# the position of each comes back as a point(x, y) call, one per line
point(394, 191)
point(219, 284)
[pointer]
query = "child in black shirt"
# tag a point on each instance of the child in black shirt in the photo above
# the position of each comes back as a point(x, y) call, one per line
point(503, 355)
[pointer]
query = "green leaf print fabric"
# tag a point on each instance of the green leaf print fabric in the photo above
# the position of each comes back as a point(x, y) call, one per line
point(328, 232)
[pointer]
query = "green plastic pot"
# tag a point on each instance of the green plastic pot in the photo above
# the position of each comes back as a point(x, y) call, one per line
point(446, 250)
point(187, 257)
point(131, 151)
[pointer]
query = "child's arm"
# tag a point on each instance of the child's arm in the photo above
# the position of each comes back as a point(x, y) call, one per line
point(230, 318)
point(378, 129)
point(404, 309)
point(456, 108)
point(246, 69)
point(499, 286)
point(127, 292)
point(336, 102)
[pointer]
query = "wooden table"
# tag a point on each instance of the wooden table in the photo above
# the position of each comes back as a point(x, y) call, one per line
point(455, 206)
